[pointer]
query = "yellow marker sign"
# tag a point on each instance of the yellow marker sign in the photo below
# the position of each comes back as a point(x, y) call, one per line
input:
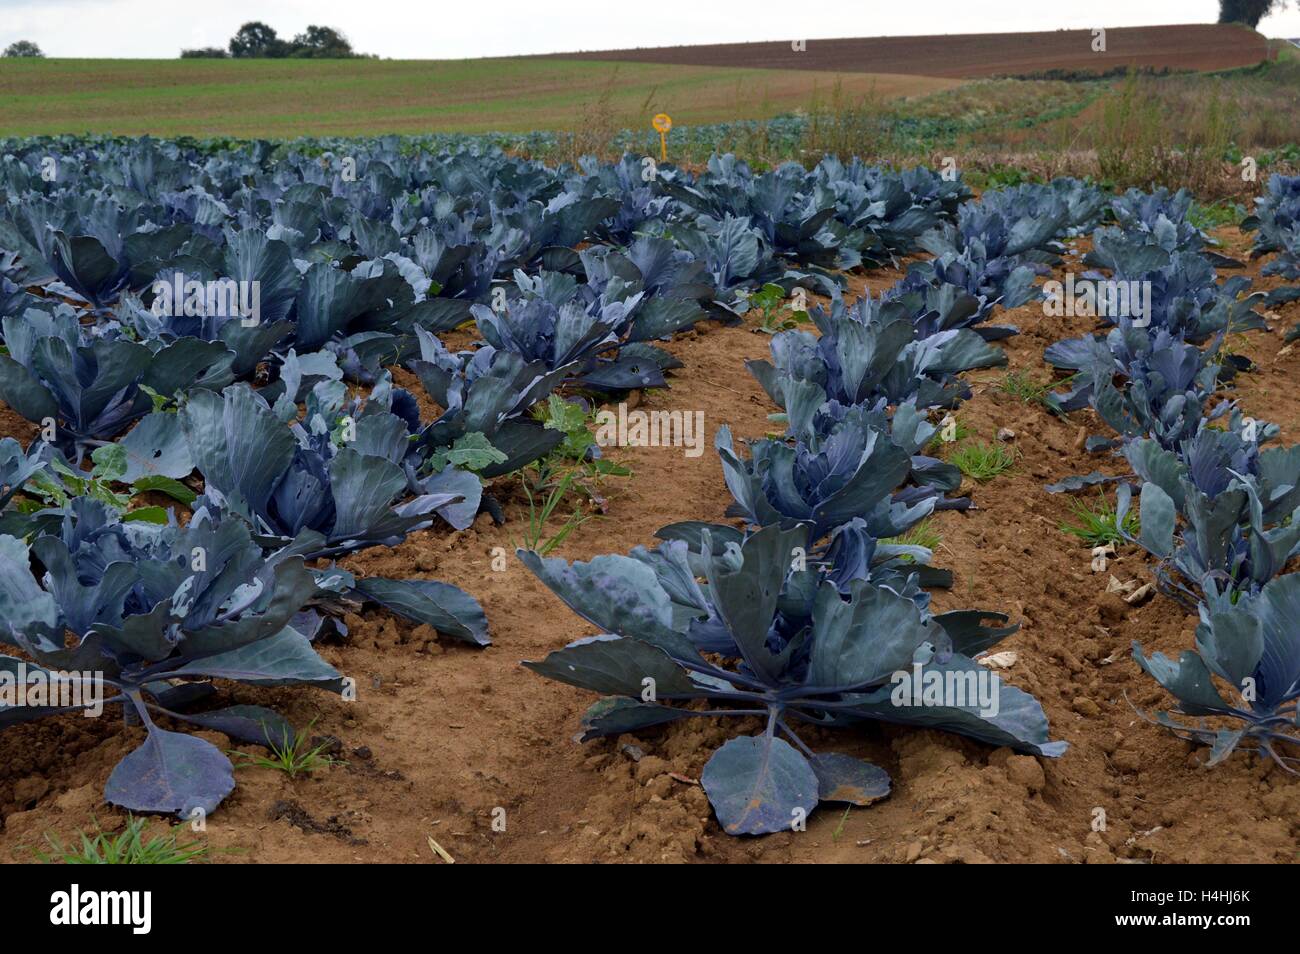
point(662, 123)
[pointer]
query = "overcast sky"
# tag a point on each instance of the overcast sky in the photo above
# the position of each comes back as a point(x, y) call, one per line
point(439, 29)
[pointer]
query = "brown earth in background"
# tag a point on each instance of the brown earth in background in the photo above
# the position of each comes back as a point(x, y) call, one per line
point(442, 734)
point(1197, 46)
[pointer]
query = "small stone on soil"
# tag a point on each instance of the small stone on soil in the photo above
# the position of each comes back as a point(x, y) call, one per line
point(1086, 707)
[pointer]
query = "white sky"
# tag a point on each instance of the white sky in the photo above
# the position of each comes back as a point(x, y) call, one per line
point(439, 29)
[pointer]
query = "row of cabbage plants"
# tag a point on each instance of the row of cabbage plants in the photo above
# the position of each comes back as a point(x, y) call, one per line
point(806, 613)
point(1276, 222)
point(1220, 510)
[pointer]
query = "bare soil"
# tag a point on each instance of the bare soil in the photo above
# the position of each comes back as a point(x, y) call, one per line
point(442, 734)
point(1197, 46)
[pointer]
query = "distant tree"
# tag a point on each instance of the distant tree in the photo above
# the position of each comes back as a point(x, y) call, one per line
point(1249, 12)
point(205, 53)
point(24, 48)
point(320, 42)
point(256, 39)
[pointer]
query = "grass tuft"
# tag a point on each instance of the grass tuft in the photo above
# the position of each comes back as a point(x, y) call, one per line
point(129, 847)
point(541, 509)
point(1024, 388)
point(1097, 524)
point(981, 461)
point(1028, 391)
point(293, 756)
point(958, 434)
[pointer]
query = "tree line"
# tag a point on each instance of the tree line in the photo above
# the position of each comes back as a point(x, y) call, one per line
point(256, 40)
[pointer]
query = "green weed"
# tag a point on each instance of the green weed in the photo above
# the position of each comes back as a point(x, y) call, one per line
point(293, 757)
point(1097, 525)
point(129, 847)
point(981, 461)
